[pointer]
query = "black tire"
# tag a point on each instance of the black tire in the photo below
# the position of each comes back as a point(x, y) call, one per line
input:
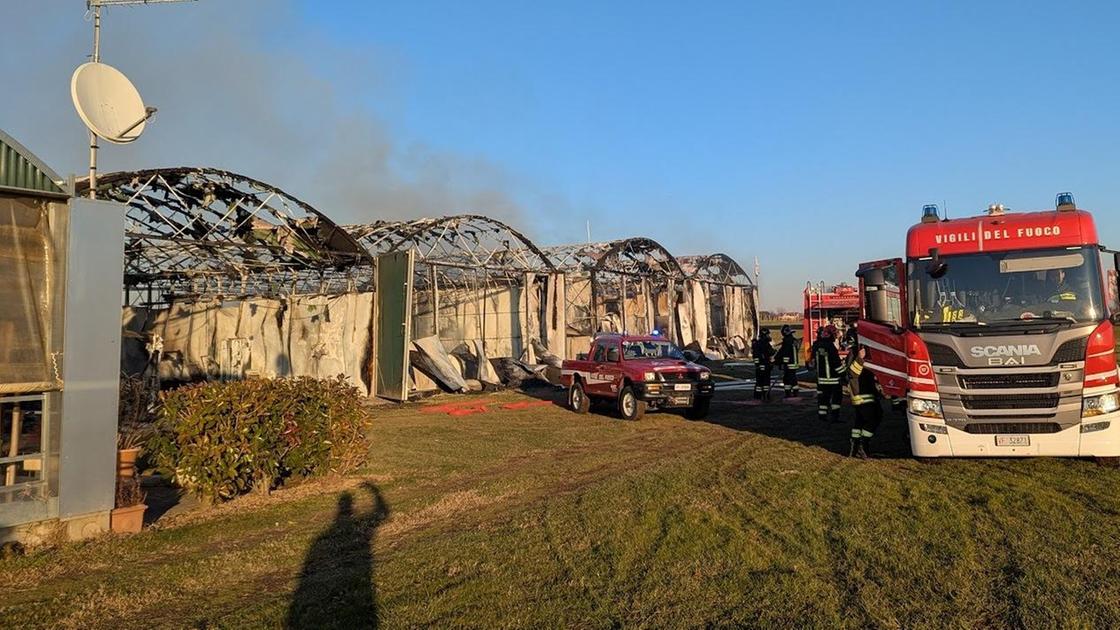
point(578, 401)
point(629, 407)
point(699, 409)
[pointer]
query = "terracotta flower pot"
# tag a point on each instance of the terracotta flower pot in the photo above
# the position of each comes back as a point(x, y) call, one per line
point(127, 520)
point(126, 461)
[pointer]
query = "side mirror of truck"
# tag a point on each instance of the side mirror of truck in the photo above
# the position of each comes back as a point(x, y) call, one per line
point(936, 267)
point(872, 277)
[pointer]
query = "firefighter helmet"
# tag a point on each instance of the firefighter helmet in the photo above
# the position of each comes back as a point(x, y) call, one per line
point(830, 331)
point(786, 330)
point(764, 333)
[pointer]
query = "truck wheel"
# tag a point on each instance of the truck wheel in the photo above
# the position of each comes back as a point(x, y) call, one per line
point(577, 398)
point(629, 407)
point(699, 409)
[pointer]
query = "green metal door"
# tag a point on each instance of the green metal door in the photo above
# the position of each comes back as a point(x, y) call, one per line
point(394, 323)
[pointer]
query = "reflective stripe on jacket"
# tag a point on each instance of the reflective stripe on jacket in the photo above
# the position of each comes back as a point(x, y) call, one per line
point(787, 352)
point(828, 363)
point(862, 384)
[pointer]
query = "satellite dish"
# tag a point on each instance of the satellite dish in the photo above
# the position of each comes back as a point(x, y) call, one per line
point(108, 103)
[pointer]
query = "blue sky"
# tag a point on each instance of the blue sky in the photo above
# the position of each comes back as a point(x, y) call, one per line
point(807, 134)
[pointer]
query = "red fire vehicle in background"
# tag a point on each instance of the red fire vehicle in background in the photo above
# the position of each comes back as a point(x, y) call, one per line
point(998, 331)
point(837, 305)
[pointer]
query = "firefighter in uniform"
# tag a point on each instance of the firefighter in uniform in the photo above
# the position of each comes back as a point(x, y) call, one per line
point(1057, 288)
point(830, 368)
point(763, 352)
point(865, 400)
point(787, 358)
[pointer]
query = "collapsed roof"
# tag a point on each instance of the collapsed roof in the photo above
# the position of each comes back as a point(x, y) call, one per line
point(201, 230)
point(631, 256)
point(209, 232)
point(716, 269)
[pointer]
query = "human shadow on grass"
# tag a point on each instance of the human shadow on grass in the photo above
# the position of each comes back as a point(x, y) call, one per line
point(336, 588)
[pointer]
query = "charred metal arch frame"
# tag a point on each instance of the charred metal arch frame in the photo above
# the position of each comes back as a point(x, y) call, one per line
point(466, 252)
point(721, 270)
point(610, 267)
point(202, 232)
point(716, 269)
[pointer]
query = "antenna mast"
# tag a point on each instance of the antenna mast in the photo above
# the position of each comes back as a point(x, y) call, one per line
point(94, 7)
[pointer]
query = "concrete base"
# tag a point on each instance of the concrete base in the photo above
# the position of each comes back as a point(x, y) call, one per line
point(54, 531)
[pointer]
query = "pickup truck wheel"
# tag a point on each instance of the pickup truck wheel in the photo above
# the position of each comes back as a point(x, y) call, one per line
point(577, 398)
point(699, 409)
point(629, 407)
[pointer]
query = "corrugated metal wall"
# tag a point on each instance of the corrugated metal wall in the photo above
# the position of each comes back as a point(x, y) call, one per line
point(18, 171)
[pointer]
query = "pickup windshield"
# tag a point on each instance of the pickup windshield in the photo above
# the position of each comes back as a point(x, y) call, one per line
point(1004, 288)
point(638, 350)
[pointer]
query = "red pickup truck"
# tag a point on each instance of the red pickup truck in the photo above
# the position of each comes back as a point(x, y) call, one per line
point(635, 373)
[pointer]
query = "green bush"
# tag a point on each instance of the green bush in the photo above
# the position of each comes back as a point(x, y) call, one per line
point(220, 440)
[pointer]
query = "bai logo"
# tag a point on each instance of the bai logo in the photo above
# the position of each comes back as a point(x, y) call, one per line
point(1006, 355)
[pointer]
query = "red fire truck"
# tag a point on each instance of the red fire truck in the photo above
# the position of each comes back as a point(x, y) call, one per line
point(998, 331)
point(824, 305)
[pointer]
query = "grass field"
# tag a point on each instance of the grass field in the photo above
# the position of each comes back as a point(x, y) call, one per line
point(540, 517)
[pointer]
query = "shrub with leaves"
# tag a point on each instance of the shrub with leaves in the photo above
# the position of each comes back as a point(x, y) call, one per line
point(220, 440)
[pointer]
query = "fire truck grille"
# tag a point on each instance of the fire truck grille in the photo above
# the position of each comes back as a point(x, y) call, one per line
point(1009, 381)
point(989, 428)
point(1011, 401)
point(943, 356)
point(1072, 350)
point(1068, 352)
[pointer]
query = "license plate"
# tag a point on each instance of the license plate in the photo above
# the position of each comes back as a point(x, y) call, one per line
point(682, 387)
point(1013, 440)
point(679, 401)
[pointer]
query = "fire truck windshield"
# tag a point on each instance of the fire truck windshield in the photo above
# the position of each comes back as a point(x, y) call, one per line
point(1005, 288)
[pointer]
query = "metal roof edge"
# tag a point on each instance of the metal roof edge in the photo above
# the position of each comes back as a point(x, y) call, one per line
point(58, 182)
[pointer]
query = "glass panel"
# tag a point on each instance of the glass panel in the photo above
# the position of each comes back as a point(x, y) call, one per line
point(26, 297)
point(883, 303)
point(986, 289)
point(23, 435)
point(1109, 273)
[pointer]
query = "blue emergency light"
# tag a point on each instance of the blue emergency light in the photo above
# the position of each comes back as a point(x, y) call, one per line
point(929, 213)
point(1065, 201)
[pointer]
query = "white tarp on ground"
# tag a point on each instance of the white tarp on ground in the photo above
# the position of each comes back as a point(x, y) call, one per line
point(433, 360)
point(486, 373)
